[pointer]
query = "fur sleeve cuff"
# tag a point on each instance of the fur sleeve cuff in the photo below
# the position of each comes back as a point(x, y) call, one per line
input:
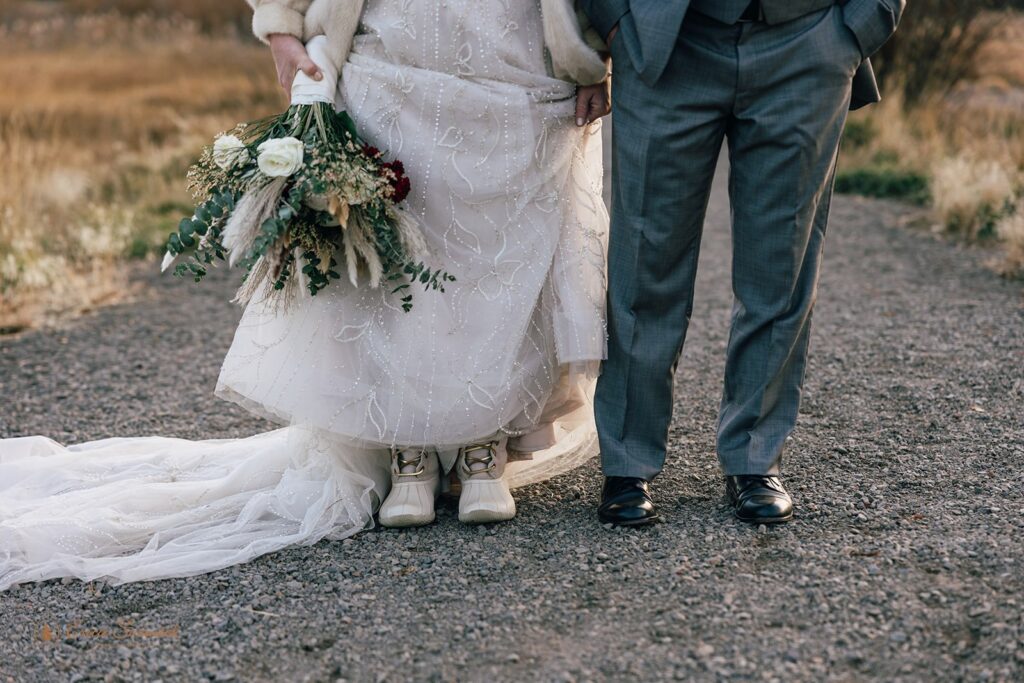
point(572, 59)
point(273, 18)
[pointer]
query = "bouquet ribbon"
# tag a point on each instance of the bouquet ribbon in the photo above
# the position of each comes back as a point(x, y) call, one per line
point(306, 90)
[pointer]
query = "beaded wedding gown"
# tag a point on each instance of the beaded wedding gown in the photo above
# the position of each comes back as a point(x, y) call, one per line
point(508, 192)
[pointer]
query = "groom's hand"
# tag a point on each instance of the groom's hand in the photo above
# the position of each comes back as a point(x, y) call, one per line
point(290, 57)
point(592, 102)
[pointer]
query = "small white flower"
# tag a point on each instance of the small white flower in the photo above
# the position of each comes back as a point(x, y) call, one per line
point(229, 151)
point(280, 157)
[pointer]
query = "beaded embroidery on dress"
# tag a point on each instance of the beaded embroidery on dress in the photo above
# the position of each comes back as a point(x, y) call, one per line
point(508, 192)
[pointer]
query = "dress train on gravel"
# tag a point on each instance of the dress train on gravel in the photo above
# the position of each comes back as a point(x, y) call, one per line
point(141, 509)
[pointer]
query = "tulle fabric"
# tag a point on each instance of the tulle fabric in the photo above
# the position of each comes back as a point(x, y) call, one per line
point(150, 508)
point(142, 509)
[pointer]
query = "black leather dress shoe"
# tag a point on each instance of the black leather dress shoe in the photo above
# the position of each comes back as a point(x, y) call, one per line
point(626, 501)
point(759, 499)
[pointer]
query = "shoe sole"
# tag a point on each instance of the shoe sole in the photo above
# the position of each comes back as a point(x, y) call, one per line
point(405, 521)
point(484, 516)
point(656, 519)
point(766, 520)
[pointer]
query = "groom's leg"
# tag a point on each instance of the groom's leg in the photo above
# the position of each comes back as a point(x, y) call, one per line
point(667, 140)
point(792, 99)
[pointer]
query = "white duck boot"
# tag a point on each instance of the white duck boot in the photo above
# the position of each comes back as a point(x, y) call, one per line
point(485, 496)
point(415, 485)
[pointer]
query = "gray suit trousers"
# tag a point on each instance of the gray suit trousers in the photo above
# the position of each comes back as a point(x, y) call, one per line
point(778, 96)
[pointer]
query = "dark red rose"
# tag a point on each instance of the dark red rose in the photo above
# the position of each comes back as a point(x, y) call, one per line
point(395, 172)
point(402, 188)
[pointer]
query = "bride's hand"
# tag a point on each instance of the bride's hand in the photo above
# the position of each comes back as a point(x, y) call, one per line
point(592, 102)
point(290, 57)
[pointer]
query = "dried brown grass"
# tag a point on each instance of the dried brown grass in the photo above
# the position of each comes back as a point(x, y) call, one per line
point(208, 14)
point(99, 118)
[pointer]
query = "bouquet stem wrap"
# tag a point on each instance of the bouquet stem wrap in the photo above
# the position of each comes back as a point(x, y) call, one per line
point(306, 90)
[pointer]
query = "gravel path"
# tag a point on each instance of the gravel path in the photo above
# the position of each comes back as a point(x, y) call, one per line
point(903, 562)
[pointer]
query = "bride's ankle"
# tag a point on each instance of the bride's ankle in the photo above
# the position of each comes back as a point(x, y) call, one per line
point(413, 462)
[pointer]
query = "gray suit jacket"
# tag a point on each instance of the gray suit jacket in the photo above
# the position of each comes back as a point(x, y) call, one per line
point(650, 32)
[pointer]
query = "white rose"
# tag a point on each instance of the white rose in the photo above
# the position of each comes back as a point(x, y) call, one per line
point(229, 151)
point(280, 157)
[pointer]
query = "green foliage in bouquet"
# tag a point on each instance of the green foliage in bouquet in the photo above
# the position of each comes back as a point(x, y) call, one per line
point(287, 196)
point(201, 235)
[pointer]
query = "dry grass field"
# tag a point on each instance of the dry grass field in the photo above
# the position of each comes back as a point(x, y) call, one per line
point(104, 103)
point(101, 112)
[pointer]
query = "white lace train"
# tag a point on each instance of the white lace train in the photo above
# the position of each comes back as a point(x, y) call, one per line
point(140, 509)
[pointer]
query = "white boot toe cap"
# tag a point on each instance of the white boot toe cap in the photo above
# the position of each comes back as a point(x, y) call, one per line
point(408, 504)
point(486, 501)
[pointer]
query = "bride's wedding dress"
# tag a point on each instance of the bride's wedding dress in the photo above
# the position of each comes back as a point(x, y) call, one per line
point(508, 191)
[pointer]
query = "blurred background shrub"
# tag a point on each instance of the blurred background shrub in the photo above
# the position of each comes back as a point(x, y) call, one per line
point(937, 46)
point(949, 133)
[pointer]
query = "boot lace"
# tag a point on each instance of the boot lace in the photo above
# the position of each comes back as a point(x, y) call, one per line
point(487, 460)
point(404, 459)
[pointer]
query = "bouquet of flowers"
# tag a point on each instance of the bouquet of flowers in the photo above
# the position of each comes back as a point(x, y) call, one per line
point(287, 196)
